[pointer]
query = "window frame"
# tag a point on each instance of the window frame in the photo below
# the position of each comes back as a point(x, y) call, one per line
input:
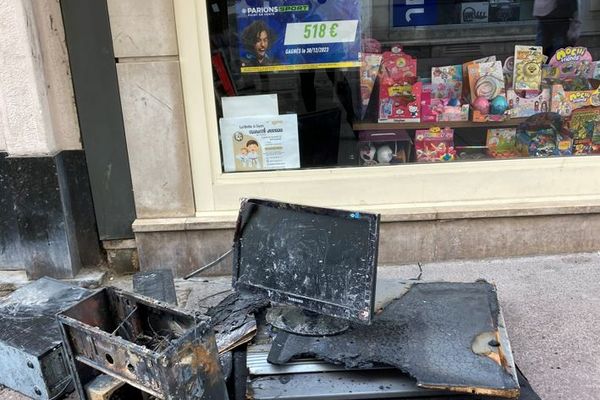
point(464, 188)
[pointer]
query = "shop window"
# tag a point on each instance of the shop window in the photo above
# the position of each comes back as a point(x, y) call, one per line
point(326, 84)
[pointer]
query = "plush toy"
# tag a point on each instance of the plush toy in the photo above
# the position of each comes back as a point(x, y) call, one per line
point(367, 154)
point(384, 154)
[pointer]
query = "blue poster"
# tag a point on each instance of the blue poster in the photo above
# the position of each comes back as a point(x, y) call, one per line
point(284, 35)
point(414, 12)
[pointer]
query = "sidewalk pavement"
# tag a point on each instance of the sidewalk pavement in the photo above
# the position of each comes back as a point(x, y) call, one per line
point(550, 305)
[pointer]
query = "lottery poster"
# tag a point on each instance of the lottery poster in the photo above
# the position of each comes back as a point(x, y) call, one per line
point(283, 35)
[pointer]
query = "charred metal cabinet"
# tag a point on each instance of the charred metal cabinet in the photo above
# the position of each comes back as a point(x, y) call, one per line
point(149, 345)
point(32, 358)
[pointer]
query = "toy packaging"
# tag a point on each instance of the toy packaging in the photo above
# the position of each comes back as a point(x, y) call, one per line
point(596, 138)
point(508, 69)
point(400, 91)
point(528, 62)
point(583, 125)
point(454, 113)
point(596, 73)
point(435, 144)
point(571, 62)
point(383, 147)
point(447, 82)
point(486, 84)
point(369, 69)
point(526, 106)
point(502, 143)
point(542, 135)
point(439, 110)
point(430, 106)
point(486, 80)
point(465, 68)
point(470, 152)
point(565, 102)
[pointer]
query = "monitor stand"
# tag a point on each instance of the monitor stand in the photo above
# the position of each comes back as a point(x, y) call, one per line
point(303, 322)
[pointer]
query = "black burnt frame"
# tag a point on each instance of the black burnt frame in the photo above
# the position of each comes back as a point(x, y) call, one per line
point(357, 232)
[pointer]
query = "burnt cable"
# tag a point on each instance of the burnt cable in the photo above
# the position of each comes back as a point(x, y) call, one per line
point(209, 265)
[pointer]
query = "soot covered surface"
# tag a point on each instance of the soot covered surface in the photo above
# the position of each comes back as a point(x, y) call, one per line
point(427, 333)
point(27, 316)
point(320, 259)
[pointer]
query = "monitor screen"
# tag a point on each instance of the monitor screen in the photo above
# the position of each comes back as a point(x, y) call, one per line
point(319, 259)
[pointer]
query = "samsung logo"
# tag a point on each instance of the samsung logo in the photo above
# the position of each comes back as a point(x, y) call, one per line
point(299, 301)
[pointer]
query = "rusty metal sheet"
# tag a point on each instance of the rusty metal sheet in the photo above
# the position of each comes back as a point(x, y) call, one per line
point(158, 349)
point(448, 336)
point(359, 385)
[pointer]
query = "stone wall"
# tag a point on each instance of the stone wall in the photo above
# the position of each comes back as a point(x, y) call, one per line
point(145, 47)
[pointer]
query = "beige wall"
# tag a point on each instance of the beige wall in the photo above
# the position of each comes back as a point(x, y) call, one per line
point(145, 45)
point(38, 110)
point(142, 28)
point(3, 125)
point(57, 74)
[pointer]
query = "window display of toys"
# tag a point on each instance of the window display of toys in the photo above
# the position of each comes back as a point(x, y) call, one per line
point(502, 143)
point(434, 145)
point(528, 105)
point(383, 147)
point(527, 73)
point(400, 90)
point(542, 135)
point(522, 87)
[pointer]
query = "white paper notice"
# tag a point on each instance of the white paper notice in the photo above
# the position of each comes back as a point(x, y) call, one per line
point(260, 143)
point(250, 106)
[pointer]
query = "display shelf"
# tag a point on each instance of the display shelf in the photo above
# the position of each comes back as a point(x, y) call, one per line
point(371, 126)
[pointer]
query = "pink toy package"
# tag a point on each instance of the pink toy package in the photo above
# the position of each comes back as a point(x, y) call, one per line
point(430, 107)
point(572, 62)
point(434, 109)
point(399, 92)
point(525, 106)
point(435, 144)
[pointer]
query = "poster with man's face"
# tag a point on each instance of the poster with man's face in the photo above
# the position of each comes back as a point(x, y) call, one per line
point(284, 35)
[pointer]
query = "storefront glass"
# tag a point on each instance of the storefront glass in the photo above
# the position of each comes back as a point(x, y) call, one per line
point(389, 82)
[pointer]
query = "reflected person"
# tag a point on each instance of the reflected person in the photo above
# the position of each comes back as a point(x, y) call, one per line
point(558, 24)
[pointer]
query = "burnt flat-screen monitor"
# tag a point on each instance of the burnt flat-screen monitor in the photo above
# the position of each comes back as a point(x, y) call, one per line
point(321, 260)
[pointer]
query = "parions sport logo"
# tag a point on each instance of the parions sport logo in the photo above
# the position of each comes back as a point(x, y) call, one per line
point(264, 11)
